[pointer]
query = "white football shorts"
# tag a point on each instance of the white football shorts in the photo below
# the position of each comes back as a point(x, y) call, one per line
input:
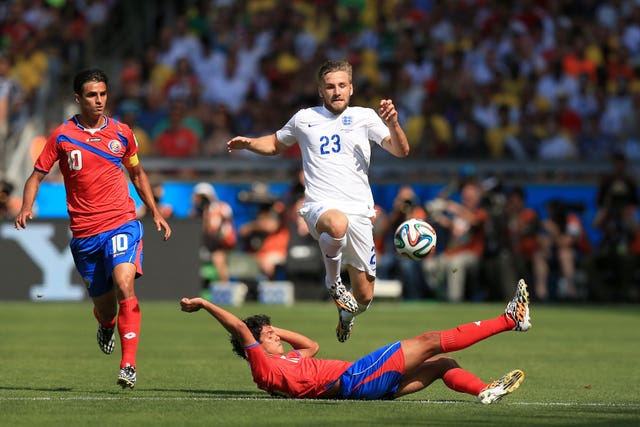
point(360, 251)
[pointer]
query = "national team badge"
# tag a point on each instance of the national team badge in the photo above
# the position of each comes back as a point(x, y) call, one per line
point(115, 146)
point(347, 120)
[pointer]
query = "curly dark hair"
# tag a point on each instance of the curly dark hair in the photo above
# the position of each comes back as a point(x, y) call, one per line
point(255, 324)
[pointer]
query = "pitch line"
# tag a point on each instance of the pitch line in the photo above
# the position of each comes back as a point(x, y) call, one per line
point(258, 399)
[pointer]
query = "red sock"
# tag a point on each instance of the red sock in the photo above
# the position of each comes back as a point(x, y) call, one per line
point(465, 335)
point(109, 325)
point(129, 318)
point(458, 379)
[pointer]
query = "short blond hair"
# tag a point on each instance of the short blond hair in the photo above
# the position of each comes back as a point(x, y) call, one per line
point(332, 67)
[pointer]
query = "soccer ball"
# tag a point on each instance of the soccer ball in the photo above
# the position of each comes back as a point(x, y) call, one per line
point(414, 238)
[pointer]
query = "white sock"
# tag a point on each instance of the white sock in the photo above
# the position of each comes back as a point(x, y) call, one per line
point(362, 308)
point(331, 249)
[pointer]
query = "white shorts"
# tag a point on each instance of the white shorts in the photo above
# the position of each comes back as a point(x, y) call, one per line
point(360, 251)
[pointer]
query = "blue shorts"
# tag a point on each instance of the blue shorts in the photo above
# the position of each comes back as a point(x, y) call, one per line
point(96, 256)
point(376, 376)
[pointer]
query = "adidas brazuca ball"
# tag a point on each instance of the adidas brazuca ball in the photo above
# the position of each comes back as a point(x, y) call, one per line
point(414, 238)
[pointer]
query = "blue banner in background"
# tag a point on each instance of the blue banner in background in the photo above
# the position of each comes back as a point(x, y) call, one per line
point(51, 198)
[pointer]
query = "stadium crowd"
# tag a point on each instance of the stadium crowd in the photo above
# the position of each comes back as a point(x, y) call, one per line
point(531, 79)
point(473, 79)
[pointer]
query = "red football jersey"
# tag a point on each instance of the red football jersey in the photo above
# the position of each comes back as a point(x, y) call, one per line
point(292, 375)
point(90, 160)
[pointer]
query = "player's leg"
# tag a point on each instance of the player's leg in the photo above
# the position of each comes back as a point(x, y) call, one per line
point(444, 368)
point(363, 293)
point(88, 255)
point(105, 310)
point(126, 242)
point(331, 227)
point(360, 257)
point(458, 379)
point(129, 321)
point(424, 346)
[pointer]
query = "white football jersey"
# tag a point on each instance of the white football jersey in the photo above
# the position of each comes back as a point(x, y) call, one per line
point(336, 151)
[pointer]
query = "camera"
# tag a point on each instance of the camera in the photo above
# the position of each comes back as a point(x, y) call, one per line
point(406, 206)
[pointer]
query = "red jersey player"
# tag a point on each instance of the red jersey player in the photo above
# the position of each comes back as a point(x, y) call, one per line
point(392, 371)
point(91, 150)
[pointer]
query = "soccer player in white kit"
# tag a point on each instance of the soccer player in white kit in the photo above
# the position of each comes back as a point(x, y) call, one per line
point(335, 141)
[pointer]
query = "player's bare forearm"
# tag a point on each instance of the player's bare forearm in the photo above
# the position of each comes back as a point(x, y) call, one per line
point(140, 182)
point(229, 321)
point(302, 343)
point(31, 188)
point(265, 145)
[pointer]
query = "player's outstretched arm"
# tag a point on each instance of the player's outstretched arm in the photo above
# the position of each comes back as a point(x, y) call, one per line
point(229, 321)
point(31, 188)
point(305, 345)
point(266, 145)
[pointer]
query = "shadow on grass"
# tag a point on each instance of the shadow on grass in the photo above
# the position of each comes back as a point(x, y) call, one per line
point(36, 388)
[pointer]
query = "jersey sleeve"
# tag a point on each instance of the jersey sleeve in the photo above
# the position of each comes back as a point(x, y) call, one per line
point(49, 154)
point(287, 134)
point(377, 130)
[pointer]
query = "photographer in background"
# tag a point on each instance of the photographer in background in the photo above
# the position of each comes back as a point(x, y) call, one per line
point(391, 264)
point(617, 253)
point(465, 225)
point(562, 243)
point(218, 230)
point(267, 235)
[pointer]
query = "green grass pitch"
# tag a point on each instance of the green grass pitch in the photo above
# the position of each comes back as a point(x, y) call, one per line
point(581, 366)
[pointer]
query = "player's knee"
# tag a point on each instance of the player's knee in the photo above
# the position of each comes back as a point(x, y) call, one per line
point(446, 363)
point(430, 341)
point(334, 222)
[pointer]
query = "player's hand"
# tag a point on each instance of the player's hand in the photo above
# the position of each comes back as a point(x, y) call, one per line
point(238, 143)
point(388, 112)
point(21, 219)
point(162, 224)
point(190, 305)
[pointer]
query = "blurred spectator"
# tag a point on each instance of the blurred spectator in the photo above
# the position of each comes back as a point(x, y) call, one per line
point(229, 87)
point(9, 205)
point(222, 130)
point(496, 273)
point(177, 140)
point(13, 112)
point(30, 67)
point(617, 114)
point(468, 134)
point(584, 101)
point(465, 223)
point(158, 193)
point(429, 132)
point(569, 120)
point(184, 85)
point(218, 230)
point(523, 230)
point(592, 143)
point(617, 253)
point(128, 112)
point(554, 82)
point(501, 139)
point(267, 235)
point(562, 245)
point(178, 42)
point(556, 145)
point(406, 205)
